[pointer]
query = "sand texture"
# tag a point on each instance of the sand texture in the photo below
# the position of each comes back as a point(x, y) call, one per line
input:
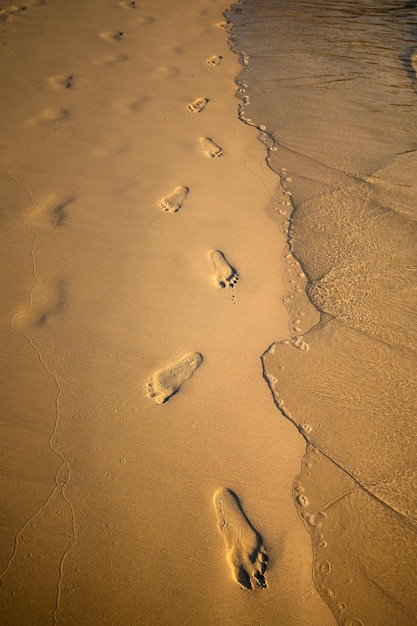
point(130, 192)
point(350, 276)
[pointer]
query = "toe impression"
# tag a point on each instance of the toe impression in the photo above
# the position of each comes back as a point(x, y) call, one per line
point(245, 550)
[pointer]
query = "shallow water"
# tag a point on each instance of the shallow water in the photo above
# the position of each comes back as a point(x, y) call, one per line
point(332, 88)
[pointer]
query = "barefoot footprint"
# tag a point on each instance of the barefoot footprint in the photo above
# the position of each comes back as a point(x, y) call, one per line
point(47, 303)
point(224, 274)
point(53, 207)
point(245, 551)
point(210, 148)
point(198, 105)
point(223, 25)
point(49, 117)
point(125, 4)
point(112, 35)
point(61, 81)
point(173, 201)
point(168, 381)
point(18, 8)
point(214, 61)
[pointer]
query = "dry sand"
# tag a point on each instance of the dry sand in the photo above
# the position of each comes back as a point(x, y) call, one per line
point(141, 282)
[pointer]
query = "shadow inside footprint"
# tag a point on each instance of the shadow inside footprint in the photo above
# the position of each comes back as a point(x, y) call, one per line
point(211, 149)
point(112, 35)
point(59, 213)
point(224, 274)
point(61, 81)
point(214, 61)
point(53, 305)
point(168, 381)
point(51, 210)
point(198, 105)
point(173, 201)
point(245, 551)
point(125, 4)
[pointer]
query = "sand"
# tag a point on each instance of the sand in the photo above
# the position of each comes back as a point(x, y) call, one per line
point(141, 280)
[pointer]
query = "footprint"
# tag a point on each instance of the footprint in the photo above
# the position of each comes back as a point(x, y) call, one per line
point(59, 213)
point(173, 201)
point(224, 25)
point(18, 8)
point(61, 81)
point(54, 208)
point(214, 61)
point(245, 551)
point(224, 274)
point(54, 303)
point(128, 5)
point(54, 114)
point(49, 117)
point(210, 148)
point(46, 302)
point(112, 35)
point(168, 381)
point(198, 105)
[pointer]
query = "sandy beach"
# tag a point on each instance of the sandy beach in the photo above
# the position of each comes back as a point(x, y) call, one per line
point(147, 474)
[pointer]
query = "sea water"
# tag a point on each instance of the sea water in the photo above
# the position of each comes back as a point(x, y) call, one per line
point(332, 88)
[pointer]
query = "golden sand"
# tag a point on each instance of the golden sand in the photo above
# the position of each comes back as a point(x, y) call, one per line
point(131, 192)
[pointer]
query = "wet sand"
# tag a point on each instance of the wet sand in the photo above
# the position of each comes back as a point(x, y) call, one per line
point(141, 283)
point(350, 276)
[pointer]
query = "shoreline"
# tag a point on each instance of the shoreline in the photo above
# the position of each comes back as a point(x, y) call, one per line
point(127, 207)
point(353, 230)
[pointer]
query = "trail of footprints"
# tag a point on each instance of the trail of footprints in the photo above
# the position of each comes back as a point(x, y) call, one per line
point(245, 551)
